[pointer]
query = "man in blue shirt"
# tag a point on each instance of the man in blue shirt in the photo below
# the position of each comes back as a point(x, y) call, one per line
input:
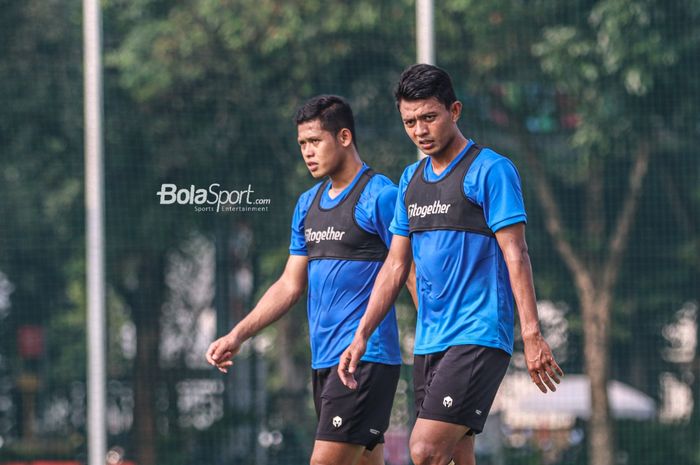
point(340, 238)
point(461, 216)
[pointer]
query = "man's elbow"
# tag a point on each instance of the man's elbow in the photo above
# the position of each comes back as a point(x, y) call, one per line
point(517, 254)
point(396, 267)
point(296, 292)
point(410, 287)
point(292, 289)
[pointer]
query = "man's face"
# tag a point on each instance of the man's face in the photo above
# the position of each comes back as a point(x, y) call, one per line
point(319, 148)
point(430, 125)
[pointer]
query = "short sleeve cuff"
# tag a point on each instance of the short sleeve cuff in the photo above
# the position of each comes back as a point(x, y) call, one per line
point(398, 231)
point(508, 222)
point(301, 253)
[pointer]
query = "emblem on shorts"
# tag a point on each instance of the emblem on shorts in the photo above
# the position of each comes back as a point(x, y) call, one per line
point(374, 431)
point(337, 422)
point(447, 401)
point(478, 412)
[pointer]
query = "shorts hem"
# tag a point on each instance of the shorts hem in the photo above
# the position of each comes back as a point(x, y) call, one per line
point(380, 361)
point(443, 347)
point(453, 421)
point(323, 366)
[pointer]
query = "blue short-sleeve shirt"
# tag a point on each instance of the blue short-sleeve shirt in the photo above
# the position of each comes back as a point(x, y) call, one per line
point(339, 290)
point(463, 287)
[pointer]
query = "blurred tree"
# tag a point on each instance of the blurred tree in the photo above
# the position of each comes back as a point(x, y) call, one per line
point(41, 206)
point(215, 85)
point(600, 74)
point(200, 91)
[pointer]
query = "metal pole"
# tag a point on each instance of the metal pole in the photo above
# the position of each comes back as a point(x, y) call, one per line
point(425, 37)
point(94, 212)
point(425, 31)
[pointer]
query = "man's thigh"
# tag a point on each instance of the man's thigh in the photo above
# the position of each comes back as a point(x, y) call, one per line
point(464, 451)
point(336, 453)
point(458, 385)
point(437, 438)
point(373, 457)
point(356, 416)
point(342, 453)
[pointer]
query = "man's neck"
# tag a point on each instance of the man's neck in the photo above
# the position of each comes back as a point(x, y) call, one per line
point(345, 175)
point(441, 161)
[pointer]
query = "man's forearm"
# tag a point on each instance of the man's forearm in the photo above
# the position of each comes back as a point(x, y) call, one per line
point(389, 282)
point(411, 284)
point(541, 365)
point(520, 274)
point(277, 301)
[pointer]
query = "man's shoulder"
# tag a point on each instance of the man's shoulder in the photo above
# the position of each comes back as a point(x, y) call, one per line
point(380, 189)
point(489, 158)
point(488, 168)
point(378, 183)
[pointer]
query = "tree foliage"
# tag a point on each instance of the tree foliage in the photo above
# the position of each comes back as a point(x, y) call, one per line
point(583, 96)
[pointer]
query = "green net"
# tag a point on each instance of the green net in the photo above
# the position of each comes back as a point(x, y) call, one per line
point(596, 103)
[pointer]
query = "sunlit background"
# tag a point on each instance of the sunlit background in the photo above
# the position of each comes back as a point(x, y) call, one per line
point(596, 102)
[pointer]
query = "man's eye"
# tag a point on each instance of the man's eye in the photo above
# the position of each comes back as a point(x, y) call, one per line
point(429, 118)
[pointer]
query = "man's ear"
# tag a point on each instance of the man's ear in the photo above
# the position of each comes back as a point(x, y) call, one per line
point(455, 110)
point(345, 137)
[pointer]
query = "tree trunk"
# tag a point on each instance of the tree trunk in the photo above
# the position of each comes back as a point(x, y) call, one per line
point(594, 279)
point(146, 316)
point(596, 323)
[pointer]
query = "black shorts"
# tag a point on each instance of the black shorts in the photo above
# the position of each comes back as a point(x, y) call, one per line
point(357, 416)
point(458, 385)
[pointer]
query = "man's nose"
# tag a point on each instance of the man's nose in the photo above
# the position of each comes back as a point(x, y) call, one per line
point(421, 129)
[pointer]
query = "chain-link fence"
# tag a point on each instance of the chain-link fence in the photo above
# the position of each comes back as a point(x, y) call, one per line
point(595, 102)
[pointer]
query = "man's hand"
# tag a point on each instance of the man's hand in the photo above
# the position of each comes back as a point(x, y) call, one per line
point(349, 360)
point(221, 352)
point(543, 369)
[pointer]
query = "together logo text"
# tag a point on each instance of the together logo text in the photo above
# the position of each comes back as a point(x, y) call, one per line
point(329, 234)
point(422, 211)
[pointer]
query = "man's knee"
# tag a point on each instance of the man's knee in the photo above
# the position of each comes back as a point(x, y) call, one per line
point(427, 453)
point(335, 454)
point(319, 459)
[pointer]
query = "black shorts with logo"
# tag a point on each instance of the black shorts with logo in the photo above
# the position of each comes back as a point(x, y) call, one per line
point(357, 416)
point(458, 385)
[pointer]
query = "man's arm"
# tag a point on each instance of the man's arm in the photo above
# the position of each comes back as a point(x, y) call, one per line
point(411, 285)
point(389, 282)
point(384, 214)
point(538, 356)
point(277, 301)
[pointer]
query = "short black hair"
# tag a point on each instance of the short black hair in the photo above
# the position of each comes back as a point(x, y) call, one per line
point(332, 111)
point(422, 81)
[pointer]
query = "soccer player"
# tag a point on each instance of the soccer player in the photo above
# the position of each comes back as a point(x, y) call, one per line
point(460, 216)
point(340, 238)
